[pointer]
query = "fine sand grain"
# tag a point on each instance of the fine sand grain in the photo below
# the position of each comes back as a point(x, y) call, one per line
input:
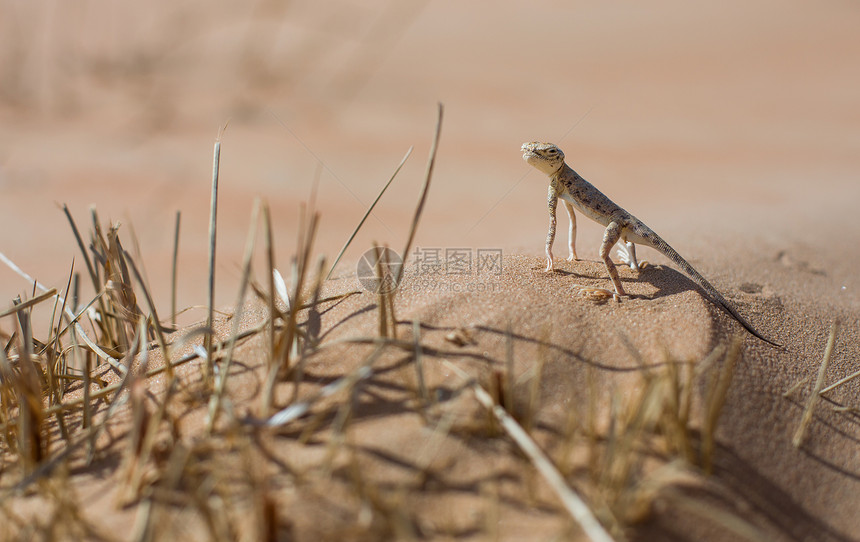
point(404, 466)
point(730, 129)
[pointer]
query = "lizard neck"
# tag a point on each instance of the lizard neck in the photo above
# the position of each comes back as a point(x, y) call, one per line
point(564, 168)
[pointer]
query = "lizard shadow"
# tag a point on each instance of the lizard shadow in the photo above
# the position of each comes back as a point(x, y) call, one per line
point(769, 499)
point(665, 279)
point(560, 349)
point(772, 508)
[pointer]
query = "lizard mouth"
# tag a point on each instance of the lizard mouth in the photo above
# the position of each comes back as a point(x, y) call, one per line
point(528, 150)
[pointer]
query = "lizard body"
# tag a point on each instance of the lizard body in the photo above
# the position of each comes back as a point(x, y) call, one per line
point(579, 194)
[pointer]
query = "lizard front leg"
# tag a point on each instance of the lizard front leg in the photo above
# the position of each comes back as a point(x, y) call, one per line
point(610, 237)
point(552, 203)
point(571, 233)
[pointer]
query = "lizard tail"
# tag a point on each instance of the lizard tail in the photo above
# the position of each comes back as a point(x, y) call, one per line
point(658, 243)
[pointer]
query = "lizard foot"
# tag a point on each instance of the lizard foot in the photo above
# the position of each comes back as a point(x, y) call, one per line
point(629, 261)
point(572, 258)
point(640, 265)
point(599, 295)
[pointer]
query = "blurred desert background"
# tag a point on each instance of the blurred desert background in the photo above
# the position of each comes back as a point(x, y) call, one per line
point(692, 116)
point(731, 128)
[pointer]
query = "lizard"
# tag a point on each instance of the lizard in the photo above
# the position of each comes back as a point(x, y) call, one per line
point(579, 194)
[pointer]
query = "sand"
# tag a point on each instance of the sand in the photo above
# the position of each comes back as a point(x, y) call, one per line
point(731, 130)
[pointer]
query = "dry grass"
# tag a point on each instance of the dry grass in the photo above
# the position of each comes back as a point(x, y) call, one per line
point(108, 386)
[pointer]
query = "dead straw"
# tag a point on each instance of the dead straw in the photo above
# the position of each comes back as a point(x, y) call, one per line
point(806, 419)
point(367, 214)
point(89, 342)
point(213, 229)
point(270, 275)
point(423, 396)
point(424, 189)
point(174, 268)
point(29, 303)
point(156, 323)
point(715, 400)
point(299, 409)
point(571, 501)
point(224, 369)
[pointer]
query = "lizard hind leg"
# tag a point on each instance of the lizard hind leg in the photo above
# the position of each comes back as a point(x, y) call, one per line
point(571, 233)
point(631, 256)
point(610, 237)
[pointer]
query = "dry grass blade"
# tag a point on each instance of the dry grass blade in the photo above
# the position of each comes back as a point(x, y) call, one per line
point(675, 417)
point(95, 428)
point(422, 200)
point(367, 214)
point(388, 296)
point(312, 333)
point(819, 383)
point(631, 419)
point(140, 427)
point(286, 346)
point(87, 368)
point(27, 385)
point(174, 269)
point(423, 396)
point(840, 382)
point(142, 530)
point(6, 398)
point(297, 410)
point(535, 384)
point(155, 321)
point(572, 502)
point(150, 373)
point(270, 275)
point(124, 310)
point(507, 389)
point(81, 246)
point(97, 350)
point(796, 386)
point(715, 399)
point(382, 292)
point(224, 370)
point(213, 229)
point(56, 390)
point(30, 302)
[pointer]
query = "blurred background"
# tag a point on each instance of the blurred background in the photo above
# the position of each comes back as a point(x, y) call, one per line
point(691, 115)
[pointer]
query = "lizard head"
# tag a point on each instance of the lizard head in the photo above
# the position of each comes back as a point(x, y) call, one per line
point(544, 156)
